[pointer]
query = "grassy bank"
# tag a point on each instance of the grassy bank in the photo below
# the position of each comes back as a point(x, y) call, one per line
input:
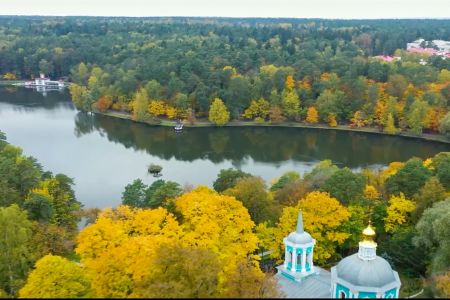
point(9, 82)
point(205, 123)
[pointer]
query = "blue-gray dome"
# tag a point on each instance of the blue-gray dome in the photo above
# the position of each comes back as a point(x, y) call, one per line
point(371, 273)
point(299, 238)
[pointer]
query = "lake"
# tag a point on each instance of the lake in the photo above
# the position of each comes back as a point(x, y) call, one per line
point(103, 154)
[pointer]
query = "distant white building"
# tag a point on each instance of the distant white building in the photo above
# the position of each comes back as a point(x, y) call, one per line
point(415, 44)
point(443, 48)
point(442, 45)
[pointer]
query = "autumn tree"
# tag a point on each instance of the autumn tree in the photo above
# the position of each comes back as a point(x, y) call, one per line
point(323, 217)
point(251, 191)
point(290, 104)
point(103, 103)
point(331, 119)
point(171, 112)
point(56, 277)
point(312, 115)
point(358, 119)
point(140, 105)
point(17, 255)
point(249, 282)
point(409, 179)
point(257, 109)
point(9, 76)
point(117, 251)
point(291, 191)
point(290, 83)
point(276, 115)
point(442, 282)
point(218, 223)
point(175, 275)
point(60, 195)
point(157, 108)
point(390, 125)
point(218, 113)
point(398, 212)
point(416, 116)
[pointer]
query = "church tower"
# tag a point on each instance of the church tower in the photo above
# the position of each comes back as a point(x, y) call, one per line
point(298, 258)
point(364, 274)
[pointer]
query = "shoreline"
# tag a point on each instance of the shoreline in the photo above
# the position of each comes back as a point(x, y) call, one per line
point(168, 123)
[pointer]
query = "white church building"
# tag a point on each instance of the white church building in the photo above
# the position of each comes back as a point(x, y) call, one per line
point(361, 275)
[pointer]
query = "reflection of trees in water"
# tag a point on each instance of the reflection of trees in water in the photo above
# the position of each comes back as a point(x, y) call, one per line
point(218, 141)
point(272, 145)
point(31, 99)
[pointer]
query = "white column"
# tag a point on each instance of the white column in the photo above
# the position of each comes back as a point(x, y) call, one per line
point(286, 257)
point(294, 259)
point(311, 259)
point(303, 259)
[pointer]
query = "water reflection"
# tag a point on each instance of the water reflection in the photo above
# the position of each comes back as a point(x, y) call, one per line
point(269, 145)
point(103, 154)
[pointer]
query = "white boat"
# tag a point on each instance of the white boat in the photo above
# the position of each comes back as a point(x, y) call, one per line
point(43, 83)
point(179, 127)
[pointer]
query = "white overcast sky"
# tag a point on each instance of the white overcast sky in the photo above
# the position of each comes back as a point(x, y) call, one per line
point(342, 9)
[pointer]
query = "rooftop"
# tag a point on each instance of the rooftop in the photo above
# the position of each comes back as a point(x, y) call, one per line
point(313, 286)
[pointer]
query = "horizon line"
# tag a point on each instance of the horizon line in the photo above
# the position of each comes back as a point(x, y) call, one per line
point(231, 17)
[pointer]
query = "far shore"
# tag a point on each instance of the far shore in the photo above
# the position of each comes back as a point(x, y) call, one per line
point(205, 123)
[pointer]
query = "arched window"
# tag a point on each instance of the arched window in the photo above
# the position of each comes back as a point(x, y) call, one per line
point(342, 295)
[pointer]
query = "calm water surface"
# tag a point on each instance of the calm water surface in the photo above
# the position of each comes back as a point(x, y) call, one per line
point(104, 154)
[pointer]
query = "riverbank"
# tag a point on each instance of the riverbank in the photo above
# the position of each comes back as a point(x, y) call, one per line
point(10, 82)
point(205, 123)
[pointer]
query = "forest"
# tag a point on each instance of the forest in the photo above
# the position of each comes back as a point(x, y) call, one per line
point(221, 70)
point(258, 70)
point(144, 247)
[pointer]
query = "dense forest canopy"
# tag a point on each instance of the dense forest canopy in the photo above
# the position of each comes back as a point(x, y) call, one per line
point(259, 68)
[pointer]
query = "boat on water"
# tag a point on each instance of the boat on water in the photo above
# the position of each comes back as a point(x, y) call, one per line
point(178, 126)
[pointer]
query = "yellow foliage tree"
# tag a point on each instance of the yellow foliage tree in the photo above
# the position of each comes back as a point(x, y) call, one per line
point(390, 126)
point(9, 76)
point(323, 217)
point(427, 163)
point(118, 249)
point(397, 212)
point(218, 113)
point(371, 193)
point(290, 83)
point(171, 112)
point(157, 108)
point(332, 120)
point(312, 116)
point(218, 223)
point(392, 168)
point(291, 103)
point(140, 105)
point(358, 119)
point(257, 109)
point(443, 284)
point(444, 75)
point(56, 277)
